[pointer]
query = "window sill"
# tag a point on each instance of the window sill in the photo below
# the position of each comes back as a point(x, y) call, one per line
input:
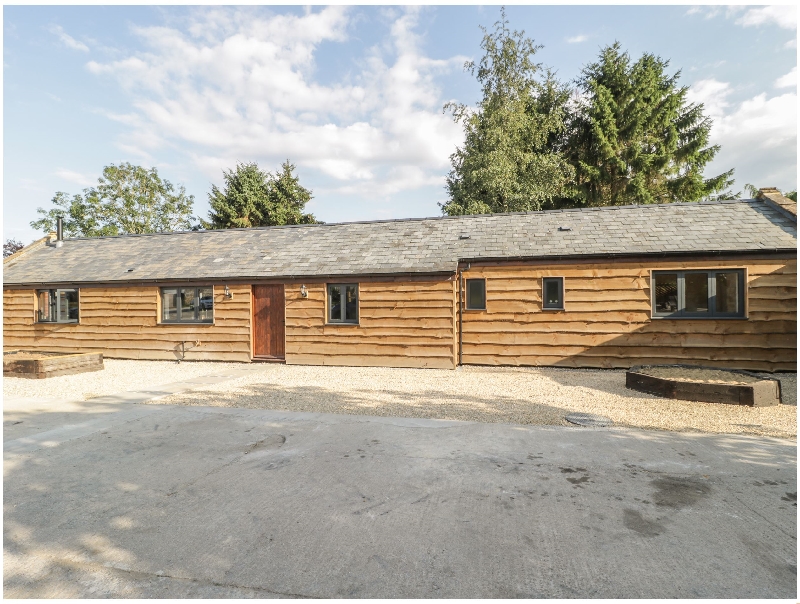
point(342, 324)
point(57, 322)
point(553, 309)
point(695, 318)
point(186, 322)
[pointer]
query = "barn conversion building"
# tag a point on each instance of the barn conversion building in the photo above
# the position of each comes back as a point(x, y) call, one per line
point(712, 283)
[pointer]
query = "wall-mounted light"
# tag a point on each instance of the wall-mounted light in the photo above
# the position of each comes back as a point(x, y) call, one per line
point(303, 291)
point(228, 293)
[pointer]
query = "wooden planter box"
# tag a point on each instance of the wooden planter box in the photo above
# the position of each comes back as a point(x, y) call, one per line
point(764, 393)
point(38, 364)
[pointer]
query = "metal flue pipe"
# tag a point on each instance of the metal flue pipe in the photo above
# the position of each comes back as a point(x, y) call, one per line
point(59, 231)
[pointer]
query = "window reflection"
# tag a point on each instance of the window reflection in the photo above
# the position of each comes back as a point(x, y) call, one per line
point(666, 286)
point(476, 294)
point(169, 304)
point(696, 292)
point(187, 304)
point(351, 305)
point(57, 306)
point(727, 298)
point(343, 303)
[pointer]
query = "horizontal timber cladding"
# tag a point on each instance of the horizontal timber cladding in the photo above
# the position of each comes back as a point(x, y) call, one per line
point(122, 322)
point(606, 320)
point(401, 324)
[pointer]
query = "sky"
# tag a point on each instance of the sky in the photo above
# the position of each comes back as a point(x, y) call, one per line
point(352, 96)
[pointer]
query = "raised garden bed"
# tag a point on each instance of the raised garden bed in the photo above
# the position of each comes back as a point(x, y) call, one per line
point(703, 384)
point(41, 364)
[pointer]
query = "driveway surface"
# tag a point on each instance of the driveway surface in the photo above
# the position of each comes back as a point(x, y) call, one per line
point(114, 498)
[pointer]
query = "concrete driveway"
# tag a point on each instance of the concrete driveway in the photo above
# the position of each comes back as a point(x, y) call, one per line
point(112, 498)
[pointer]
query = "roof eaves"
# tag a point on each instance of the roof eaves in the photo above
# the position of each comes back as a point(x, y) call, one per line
point(658, 254)
point(232, 279)
point(28, 248)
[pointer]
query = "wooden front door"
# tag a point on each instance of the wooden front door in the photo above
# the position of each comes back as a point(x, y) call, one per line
point(269, 322)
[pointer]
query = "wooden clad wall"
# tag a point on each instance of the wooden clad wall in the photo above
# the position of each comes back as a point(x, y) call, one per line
point(122, 322)
point(402, 324)
point(606, 321)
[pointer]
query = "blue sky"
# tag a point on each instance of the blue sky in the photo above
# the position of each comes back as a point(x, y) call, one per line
point(352, 95)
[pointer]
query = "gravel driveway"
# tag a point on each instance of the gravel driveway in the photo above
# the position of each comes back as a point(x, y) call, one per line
point(117, 376)
point(538, 396)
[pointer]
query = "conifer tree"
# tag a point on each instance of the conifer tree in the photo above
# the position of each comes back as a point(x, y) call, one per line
point(635, 139)
point(252, 197)
point(288, 198)
point(510, 160)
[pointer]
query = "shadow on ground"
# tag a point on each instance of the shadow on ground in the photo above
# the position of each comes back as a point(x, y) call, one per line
point(428, 404)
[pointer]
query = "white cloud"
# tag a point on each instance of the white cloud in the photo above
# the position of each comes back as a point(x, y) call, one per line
point(713, 94)
point(784, 16)
point(787, 81)
point(66, 39)
point(74, 177)
point(709, 12)
point(234, 85)
point(758, 136)
point(577, 39)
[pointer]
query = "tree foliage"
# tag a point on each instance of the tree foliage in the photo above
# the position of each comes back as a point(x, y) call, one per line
point(510, 160)
point(252, 198)
point(755, 192)
point(634, 138)
point(12, 246)
point(127, 199)
point(750, 190)
point(626, 135)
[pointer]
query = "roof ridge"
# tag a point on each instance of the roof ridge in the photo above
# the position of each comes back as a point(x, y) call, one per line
point(420, 219)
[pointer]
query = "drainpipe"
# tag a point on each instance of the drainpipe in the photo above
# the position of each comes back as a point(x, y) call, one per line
point(461, 314)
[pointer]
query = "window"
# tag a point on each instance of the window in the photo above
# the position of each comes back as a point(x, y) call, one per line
point(187, 304)
point(476, 294)
point(553, 293)
point(57, 305)
point(698, 294)
point(343, 303)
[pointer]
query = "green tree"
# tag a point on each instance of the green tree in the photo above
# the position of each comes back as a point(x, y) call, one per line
point(81, 216)
point(240, 203)
point(510, 160)
point(634, 138)
point(751, 190)
point(127, 199)
point(252, 197)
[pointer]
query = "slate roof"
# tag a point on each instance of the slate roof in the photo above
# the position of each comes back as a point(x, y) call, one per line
point(427, 245)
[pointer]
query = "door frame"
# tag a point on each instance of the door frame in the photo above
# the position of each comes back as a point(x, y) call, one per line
point(253, 331)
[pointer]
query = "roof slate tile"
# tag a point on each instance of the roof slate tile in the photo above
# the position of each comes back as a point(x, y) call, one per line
point(408, 246)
